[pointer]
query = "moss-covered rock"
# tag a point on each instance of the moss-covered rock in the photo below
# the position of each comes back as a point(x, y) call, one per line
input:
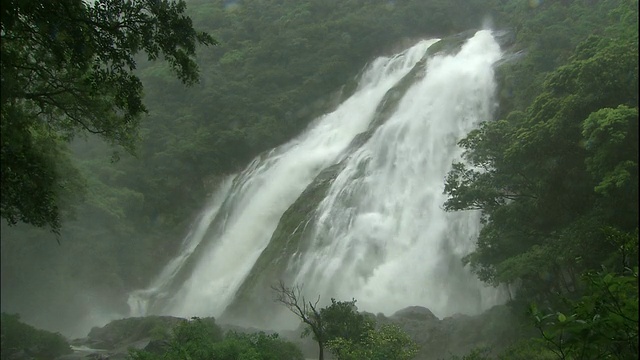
point(285, 241)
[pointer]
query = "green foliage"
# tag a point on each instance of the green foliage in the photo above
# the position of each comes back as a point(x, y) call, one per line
point(202, 339)
point(548, 179)
point(352, 335)
point(33, 196)
point(547, 35)
point(67, 70)
point(68, 78)
point(342, 320)
point(609, 134)
point(603, 324)
point(345, 332)
point(557, 182)
point(18, 337)
point(197, 330)
point(388, 342)
point(262, 347)
point(193, 339)
point(529, 349)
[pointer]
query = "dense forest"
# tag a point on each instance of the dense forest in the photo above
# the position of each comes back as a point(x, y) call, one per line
point(108, 184)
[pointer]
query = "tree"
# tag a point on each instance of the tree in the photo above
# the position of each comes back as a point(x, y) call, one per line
point(348, 334)
point(67, 70)
point(342, 320)
point(305, 310)
point(265, 346)
point(551, 178)
point(388, 342)
point(603, 324)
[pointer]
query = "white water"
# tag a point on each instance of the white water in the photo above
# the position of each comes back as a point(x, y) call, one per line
point(139, 300)
point(382, 236)
point(262, 193)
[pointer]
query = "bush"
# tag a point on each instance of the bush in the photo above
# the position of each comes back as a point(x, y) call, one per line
point(201, 339)
point(20, 338)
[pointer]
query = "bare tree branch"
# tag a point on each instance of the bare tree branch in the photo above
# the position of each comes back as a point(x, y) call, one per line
point(305, 310)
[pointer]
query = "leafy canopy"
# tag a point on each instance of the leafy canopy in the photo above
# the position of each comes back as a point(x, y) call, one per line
point(67, 69)
point(602, 324)
point(388, 342)
point(348, 334)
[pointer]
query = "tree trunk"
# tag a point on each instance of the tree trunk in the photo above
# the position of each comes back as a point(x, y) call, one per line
point(321, 351)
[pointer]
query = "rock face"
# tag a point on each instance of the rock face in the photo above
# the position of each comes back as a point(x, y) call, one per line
point(128, 331)
point(114, 340)
point(417, 313)
point(496, 329)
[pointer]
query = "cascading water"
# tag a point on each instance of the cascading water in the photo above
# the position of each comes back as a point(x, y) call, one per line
point(380, 234)
point(139, 300)
point(242, 227)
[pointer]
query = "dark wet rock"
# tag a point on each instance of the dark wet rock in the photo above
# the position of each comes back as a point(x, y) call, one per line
point(114, 340)
point(419, 313)
point(458, 334)
point(128, 331)
point(505, 38)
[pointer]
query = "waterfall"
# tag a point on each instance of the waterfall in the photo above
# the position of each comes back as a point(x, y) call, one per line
point(380, 234)
point(139, 300)
point(232, 233)
point(377, 231)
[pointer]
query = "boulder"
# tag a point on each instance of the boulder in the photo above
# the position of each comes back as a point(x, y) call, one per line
point(124, 332)
point(418, 313)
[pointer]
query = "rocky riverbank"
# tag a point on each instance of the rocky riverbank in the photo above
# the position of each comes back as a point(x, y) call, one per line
point(456, 335)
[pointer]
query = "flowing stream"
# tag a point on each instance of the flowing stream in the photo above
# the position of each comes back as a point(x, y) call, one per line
point(380, 234)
